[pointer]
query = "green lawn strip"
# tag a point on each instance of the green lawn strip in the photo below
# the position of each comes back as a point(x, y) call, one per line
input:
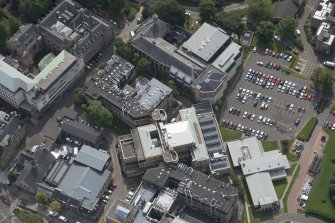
point(292, 158)
point(319, 203)
point(280, 186)
point(270, 45)
point(291, 71)
point(269, 145)
point(290, 188)
point(27, 217)
point(292, 167)
point(229, 135)
point(306, 132)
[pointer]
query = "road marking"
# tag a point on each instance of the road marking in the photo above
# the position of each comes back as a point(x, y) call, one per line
point(3, 219)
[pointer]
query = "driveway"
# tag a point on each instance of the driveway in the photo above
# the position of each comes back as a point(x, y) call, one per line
point(130, 26)
point(307, 60)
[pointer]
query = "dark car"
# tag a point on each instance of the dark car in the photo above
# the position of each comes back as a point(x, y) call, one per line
point(297, 122)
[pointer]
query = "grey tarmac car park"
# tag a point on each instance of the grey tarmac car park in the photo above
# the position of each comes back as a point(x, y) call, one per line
point(282, 114)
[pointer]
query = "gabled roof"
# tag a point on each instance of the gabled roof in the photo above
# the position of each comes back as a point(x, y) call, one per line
point(92, 157)
point(14, 79)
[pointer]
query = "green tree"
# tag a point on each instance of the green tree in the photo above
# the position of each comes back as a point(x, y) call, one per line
point(206, 9)
point(265, 30)
point(41, 198)
point(287, 26)
point(32, 10)
point(143, 67)
point(116, 6)
point(11, 177)
point(231, 21)
point(118, 42)
point(173, 86)
point(136, 58)
point(3, 34)
point(259, 10)
point(55, 206)
point(125, 52)
point(169, 11)
point(99, 113)
point(13, 24)
point(79, 96)
point(322, 80)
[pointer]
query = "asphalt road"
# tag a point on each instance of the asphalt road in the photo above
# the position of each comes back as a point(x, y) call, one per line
point(276, 110)
point(4, 213)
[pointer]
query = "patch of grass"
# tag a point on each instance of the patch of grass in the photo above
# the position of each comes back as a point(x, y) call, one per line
point(319, 202)
point(306, 132)
point(300, 211)
point(292, 158)
point(294, 177)
point(133, 186)
point(261, 216)
point(118, 127)
point(291, 71)
point(280, 186)
point(272, 44)
point(229, 135)
point(292, 167)
point(27, 217)
point(269, 145)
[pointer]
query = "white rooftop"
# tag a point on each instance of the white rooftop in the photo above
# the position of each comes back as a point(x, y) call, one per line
point(14, 79)
point(178, 133)
point(323, 10)
point(326, 27)
point(227, 57)
point(246, 148)
point(261, 189)
point(151, 146)
point(206, 41)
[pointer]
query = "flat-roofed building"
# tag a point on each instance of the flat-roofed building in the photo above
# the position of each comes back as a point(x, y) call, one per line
point(121, 212)
point(323, 10)
point(194, 139)
point(260, 169)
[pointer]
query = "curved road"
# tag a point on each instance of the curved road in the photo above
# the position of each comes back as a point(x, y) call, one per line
point(295, 218)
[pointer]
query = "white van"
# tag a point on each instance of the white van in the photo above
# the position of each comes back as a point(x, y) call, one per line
point(329, 64)
point(297, 32)
point(62, 218)
point(132, 33)
point(75, 151)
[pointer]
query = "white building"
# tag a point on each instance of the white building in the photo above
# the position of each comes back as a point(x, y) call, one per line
point(260, 169)
point(40, 90)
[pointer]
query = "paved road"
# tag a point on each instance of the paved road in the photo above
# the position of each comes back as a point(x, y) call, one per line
point(130, 26)
point(307, 60)
point(4, 213)
point(295, 218)
point(234, 6)
point(304, 161)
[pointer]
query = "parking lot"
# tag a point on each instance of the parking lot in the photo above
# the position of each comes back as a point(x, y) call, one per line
point(283, 111)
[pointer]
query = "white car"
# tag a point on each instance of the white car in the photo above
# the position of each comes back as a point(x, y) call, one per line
point(269, 99)
point(333, 127)
point(68, 139)
point(252, 117)
point(254, 50)
point(260, 63)
point(106, 197)
point(245, 114)
point(264, 120)
point(260, 118)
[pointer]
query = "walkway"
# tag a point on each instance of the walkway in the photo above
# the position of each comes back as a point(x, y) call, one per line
point(307, 60)
point(304, 161)
point(294, 217)
point(130, 26)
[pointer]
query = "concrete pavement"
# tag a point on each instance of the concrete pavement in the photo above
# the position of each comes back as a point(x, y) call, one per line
point(295, 218)
point(307, 59)
point(130, 26)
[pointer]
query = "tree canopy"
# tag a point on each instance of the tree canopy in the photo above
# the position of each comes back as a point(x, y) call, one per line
point(55, 206)
point(206, 9)
point(322, 80)
point(143, 67)
point(100, 114)
point(173, 86)
point(169, 11)
point(11, 177)
point(265, 30)
point(41, 198)
point(32, 10)
point(231, 21)
point(287, 26)
point(259, 10)
point(79, 96)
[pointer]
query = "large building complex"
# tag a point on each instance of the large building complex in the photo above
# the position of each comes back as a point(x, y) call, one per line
point(71, 35)
point(133, 105)
point(260, 169)
point(194, 139)
point(173, 193)
point(201, 63)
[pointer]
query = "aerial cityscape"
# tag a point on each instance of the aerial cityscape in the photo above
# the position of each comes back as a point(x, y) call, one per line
point(167, 111)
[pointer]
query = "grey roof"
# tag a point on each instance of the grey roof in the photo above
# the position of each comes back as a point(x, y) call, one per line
point(11, 128)
point(284, 8)
point(227, 59)
point(81, 130)
point(209, 80)
point(206, 41)
point(13, 79)
point(57, 172)
point(92, 157)
point(82, 184)
point(201, 187)
point(212, 135)
point(261, 189)
point(127, 214)
point(35, 170)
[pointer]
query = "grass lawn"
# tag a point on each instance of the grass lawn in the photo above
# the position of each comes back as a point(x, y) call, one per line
point(229, 135)
point(290, 187)
point(269, 145)
point(292, 167)
point(274, 45)
point(292, 158)
point(306, 132)
point(319, 202)
point(27, 217)
point(280, 186)
point(119, 127)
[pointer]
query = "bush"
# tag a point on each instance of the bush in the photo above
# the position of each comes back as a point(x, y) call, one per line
point(27, 217)
point(306, 132)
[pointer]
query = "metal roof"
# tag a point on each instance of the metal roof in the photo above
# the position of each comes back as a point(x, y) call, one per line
point(210, 79)
point(228, 57)
point(261, 189)
point(84, 184)
point(206, 41)
point(13, 79)
point(92, 157)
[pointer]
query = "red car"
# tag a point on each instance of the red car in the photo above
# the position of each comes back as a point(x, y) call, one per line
point(274, 66)
point(309, 97)
point(270, 52)
point(330, 125)
point(333, 113)
point(278, 81)
point(230, 125)
point(303, 109)
point(245, 130)
point(273, 54)
point(295, 51)
point(274, 79)
point(267, 77)
point(305, 96)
